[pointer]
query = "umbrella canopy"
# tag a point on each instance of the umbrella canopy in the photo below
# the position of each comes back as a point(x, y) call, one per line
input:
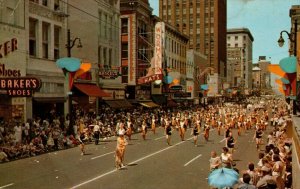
point(288, 64)
point(223, 177)
point(69, 63)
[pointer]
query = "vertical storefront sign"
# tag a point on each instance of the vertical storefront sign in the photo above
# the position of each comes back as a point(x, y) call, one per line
point(159, 46)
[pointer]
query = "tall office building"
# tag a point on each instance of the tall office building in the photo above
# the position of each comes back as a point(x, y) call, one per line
point(239, 53)
point(205, 22)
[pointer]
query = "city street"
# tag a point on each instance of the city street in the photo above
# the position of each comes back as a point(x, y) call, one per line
point(149, 164)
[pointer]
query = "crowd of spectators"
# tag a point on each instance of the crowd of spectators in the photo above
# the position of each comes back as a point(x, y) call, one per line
point(274, 168)
point(37, 136)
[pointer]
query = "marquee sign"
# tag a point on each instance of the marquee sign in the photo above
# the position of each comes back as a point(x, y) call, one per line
point(20, 86)
point(150, 78)
point(109, 73)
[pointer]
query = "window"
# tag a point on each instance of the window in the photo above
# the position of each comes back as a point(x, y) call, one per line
point(236, 45)
point(56, 4)
point(110, 57)
point(32, 36)
point(45, 2)
point(56, 42)
point(105, 56)
point(236, 38)
point(45, 39)
point(35, 1)
point(124, 25)
point(124, 50)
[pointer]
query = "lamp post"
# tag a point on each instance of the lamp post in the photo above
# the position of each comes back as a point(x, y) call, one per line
point(70, 44)
point(294, 40)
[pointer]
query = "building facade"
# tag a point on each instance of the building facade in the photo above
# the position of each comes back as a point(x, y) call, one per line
point(261, 75)
point(37, 33)
point(196, 73)
point(239, 52)
point(205, 22)
point(136, 47)
point(13, 57)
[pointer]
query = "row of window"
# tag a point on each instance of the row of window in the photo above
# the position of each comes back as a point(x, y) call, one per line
point(56, 4)
point(236, 37)
point(47, 39)
point(236, 45)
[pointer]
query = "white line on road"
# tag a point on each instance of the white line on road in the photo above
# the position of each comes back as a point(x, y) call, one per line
point(6, 185)
point(160, 138)
point(192, 160)
point(102, 155)
point(112, 171)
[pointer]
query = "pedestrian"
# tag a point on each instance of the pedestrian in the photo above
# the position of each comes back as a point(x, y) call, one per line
point(182, 128)
point(206, 131)
point(258, 136)
point(230, 142)
point(153, 124)
point(196, 131)
point(215, 161)
point(226, 158)
point(120, 149)
point(81, 138)
point(168, 131)
point(96, 132)
point(144, 129)
point(246, 182)
point(129, 128)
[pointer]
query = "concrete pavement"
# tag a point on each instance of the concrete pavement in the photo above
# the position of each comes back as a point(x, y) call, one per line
point(150, 164)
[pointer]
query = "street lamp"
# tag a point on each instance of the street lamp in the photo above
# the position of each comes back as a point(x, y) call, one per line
point(70, 44)
point(294, 40)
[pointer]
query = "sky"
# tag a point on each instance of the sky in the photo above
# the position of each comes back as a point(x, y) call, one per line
point(264, 18)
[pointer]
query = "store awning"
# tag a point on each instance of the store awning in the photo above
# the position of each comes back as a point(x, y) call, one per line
point(149, 104)
point(91, 90)
point(122, 103)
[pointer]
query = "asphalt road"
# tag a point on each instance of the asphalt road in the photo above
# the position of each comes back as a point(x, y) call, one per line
point(150, 164)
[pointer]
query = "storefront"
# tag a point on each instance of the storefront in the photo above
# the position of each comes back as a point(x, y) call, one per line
point(14, 86)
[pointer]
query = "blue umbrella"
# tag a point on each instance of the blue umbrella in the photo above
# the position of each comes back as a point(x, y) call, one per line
point(223, 177)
